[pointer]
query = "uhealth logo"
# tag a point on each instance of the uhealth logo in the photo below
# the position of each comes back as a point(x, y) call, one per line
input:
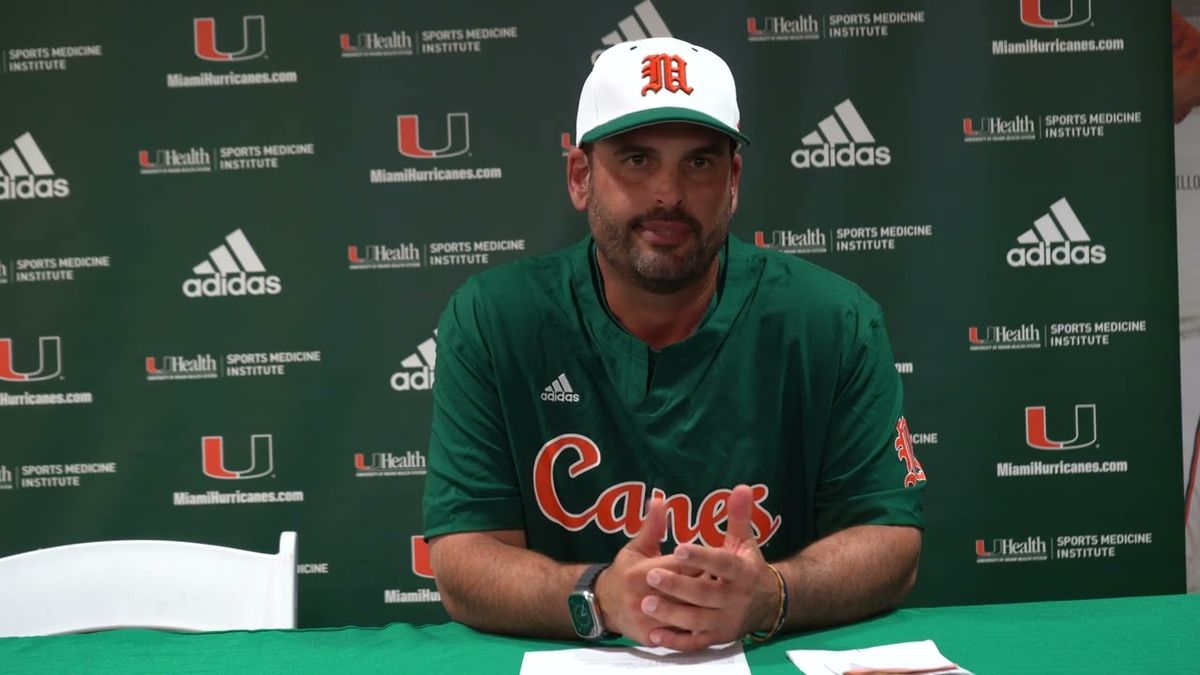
point(254, 40)
point(1038, 438)
point(848, 143)
point(191, 160)
point(418, 368)
point(1078, 12)
point(49, 361)
point(232, 269)
point(262, 458)
point(458, 137)
point(651, 25)
point(25, 173)
point(1044, 245)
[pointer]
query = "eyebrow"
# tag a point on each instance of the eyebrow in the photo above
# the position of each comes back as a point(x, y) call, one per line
point(710, 149)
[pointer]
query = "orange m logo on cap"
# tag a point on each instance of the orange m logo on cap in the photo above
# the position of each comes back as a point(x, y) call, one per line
point(665, 71)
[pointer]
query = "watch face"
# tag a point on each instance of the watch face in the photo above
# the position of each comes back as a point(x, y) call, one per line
point(581, 615)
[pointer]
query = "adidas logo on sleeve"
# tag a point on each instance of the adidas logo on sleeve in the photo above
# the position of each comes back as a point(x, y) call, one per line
point(560, 391)
point(842, 139)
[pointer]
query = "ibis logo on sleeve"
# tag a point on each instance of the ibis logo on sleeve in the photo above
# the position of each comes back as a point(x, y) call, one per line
point(1056, 239)
point(26, 174)
point(458, 137)
point(49, 361)
point(253, 45)
point(560, 391)
point(841, 139)
point(261, 460)
point(643, 23)
point(618, 508)
point(905, 453)
point(1037, 435)
point(232, 269)
point(1064, 13)
point(417, 373)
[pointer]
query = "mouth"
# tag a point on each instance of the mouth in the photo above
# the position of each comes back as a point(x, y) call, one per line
point(664, 232)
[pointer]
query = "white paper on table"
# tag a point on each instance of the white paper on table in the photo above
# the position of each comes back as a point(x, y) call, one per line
point(720, 660)
point(903, 657)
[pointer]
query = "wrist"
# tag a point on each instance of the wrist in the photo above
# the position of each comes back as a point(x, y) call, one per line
point(774, 609)
point(603, 601)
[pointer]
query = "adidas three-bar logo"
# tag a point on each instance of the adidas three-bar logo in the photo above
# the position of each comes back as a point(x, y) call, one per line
point(629, 28)
point(560, 391)
point(841, 139)
point(233, 268)
point(1045, 245)
point(25, 173)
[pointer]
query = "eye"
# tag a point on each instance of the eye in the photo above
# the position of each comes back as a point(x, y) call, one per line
point(701, 162)
point(635, 159)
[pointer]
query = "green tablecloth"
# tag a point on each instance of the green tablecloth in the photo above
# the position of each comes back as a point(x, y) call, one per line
point(1120, 635)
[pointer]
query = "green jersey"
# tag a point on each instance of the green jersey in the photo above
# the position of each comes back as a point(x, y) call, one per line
point(549, 417)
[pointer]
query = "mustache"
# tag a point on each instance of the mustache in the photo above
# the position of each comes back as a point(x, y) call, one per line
point(674, 215)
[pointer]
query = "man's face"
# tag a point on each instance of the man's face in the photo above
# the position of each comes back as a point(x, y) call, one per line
point(659, 200)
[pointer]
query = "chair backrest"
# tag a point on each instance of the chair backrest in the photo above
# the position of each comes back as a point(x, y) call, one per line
point(147, 584)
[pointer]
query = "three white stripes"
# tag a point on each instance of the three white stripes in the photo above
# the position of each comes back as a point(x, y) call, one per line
point(427, 350)
point(631, 30)
point(226, 257)
point(834, 133)
point(560, 385)
point(26, 148)
point(1049, 232)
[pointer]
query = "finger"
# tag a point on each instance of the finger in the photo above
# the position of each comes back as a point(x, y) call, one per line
point(654, 527)
point(716, 561)
point(700, 591)
point(683, 641)
point(680, 615)
point(740, 505)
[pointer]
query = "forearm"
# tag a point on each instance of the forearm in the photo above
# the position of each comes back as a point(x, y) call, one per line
point(499, 586)
point(850, 575)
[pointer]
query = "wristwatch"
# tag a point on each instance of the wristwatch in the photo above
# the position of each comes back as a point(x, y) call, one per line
point(585, 613)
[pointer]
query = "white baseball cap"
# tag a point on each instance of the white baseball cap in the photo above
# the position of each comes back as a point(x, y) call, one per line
point(643, 82)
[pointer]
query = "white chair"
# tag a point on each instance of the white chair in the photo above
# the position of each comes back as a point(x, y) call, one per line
point(171, 585)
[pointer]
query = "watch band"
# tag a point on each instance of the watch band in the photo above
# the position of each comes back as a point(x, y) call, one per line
point(587, 580)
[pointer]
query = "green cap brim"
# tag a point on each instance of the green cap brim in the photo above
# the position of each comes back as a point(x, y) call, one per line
point(644, 118)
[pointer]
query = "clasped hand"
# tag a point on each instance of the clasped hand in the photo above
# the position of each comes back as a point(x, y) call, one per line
point(696, 596)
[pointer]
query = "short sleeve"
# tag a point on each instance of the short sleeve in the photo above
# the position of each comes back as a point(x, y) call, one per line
point(869, 472)
point(470, 482)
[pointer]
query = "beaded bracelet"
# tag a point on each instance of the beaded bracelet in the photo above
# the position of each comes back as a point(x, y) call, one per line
point(780, 614)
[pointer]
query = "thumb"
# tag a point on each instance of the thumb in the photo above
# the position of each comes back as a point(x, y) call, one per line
point(654, 527)
point(739, 531)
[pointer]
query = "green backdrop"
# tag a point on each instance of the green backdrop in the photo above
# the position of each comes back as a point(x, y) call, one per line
point(227, 231)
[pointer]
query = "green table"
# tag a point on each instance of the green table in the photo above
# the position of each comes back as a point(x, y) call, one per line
point(1121, 635)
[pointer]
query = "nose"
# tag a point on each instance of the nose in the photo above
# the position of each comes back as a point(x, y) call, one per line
point(668, 186)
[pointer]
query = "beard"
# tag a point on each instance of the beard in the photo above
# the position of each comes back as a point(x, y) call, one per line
point(660, 270)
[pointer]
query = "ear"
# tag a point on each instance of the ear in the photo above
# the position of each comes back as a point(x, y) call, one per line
point(579, 173)
point(735, 177)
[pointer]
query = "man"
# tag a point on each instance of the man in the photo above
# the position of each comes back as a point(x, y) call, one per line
point(662, 380)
